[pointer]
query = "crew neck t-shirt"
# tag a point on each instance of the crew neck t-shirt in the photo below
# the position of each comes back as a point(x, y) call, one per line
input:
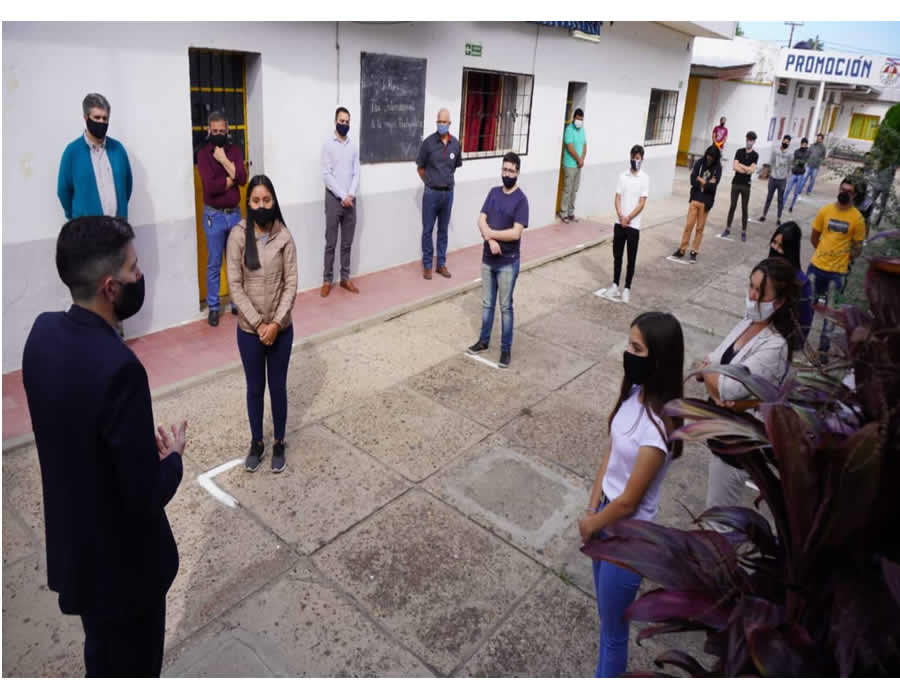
point(503, 210)
point(744, 157)
point(630, 189)
point(635, 426)
point(840, 229)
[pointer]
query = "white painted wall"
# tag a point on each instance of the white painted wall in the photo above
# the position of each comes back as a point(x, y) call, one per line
point(142, 68)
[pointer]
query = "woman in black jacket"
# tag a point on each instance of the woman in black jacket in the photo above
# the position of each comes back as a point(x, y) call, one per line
point(705, 178)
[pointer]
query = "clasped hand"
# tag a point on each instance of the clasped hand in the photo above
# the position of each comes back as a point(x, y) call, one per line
point(267, 332)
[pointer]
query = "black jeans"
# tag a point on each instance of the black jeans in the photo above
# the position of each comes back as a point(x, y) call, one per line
point(775, 184)
point(125, 647)
point(621, 236)
point(742, 191)
point(259, 360)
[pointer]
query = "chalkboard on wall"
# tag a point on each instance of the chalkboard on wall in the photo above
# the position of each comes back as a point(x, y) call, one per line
point(392, 96)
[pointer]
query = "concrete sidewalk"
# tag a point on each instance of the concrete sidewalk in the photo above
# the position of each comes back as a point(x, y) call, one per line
point(425, 525)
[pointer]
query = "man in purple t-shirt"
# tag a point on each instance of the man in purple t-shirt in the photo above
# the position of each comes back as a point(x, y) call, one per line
point(221, 166)
point(504, 216)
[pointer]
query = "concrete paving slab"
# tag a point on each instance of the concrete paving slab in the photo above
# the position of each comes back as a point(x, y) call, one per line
point(614, 318)
point(525, 500)
point(716, 322)
point(713, 298)
point(327, 487)
point(447, 321)
point(489, 396)
point(407, 431)
point(580, 271)
point(568, 329)
point(18, 541)
point(38, 640)
point(545, 363)
point(433, 578)
point(552, 634)
point(224, 556)
point(298, 626)
point(23, 491)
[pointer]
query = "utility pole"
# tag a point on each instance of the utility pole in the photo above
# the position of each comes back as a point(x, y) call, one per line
point(793, 24)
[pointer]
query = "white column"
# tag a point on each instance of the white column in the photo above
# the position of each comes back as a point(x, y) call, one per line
point(815, 120)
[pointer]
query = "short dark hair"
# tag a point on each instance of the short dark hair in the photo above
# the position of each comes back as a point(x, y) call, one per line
point(578, 113)
point(786, 136)
point(216, 116)
point(338, 111)
point(751, 136)
point(820, 134)
point(88, 249)
point(514, 159)
point(851, 182)
point(637, 148)
point(804, 140)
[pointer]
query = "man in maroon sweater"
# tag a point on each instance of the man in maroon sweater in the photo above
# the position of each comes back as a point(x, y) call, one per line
point(221, 166)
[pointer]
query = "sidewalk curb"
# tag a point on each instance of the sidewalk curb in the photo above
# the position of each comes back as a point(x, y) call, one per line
point(19, 441)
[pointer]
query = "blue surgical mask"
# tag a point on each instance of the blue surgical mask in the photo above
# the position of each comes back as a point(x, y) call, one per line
point(443, 129)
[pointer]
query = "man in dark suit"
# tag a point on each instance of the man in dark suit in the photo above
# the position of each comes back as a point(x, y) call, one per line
point(106, 476)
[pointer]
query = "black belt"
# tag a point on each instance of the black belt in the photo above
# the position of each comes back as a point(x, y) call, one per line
point(440, 189)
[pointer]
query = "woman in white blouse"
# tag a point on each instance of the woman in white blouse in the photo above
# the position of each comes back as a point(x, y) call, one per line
point(762, 343)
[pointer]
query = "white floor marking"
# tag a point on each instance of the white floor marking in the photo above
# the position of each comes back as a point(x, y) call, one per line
point(601, 293)
point(726, 238)
point(679, 260)
point(206, 481)
point(484, 360)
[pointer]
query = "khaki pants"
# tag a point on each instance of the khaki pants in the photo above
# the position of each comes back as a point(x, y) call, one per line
point(572, 179)
point(696, 215)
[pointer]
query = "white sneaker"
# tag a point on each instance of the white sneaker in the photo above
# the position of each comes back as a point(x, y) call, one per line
point(626, 295)
point(612, 291)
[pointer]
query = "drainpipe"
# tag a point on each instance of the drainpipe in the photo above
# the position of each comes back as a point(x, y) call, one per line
point(815, 120)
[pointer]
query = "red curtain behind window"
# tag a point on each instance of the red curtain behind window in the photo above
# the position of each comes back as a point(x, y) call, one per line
point(482, 106)
point(473, 113)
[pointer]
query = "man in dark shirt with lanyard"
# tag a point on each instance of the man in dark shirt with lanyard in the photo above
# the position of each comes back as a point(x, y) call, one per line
point(439, 157)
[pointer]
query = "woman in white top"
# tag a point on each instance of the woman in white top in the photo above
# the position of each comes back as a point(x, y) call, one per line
point(762, 343)
point(629, 479)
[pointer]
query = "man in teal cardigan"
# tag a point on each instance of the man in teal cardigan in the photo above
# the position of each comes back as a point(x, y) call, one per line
point(94, 173)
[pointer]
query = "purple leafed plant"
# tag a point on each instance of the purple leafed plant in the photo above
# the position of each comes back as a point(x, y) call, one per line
point(818, 593)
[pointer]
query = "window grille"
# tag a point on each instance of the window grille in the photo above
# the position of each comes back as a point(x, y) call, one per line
point(782, 86)
point(661, 117)
point(496, 113)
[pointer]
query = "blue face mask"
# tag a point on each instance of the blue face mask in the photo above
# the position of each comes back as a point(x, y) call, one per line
point(443, 129)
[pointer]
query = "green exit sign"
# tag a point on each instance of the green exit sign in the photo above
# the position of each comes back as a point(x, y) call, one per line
point(473, 49)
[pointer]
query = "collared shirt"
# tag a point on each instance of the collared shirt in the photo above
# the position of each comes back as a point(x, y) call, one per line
point(340, 166)
point(103, 174)
point(577, 138)
point(440, 160)
point(216, 193)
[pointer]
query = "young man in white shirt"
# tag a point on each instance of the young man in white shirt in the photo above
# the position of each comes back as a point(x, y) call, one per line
point(631, 195)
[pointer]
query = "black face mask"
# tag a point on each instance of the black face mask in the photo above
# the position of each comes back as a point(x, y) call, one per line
point(637, 368)
point(218, 140)
point(130, 300)
point(264, 216)
point(784, 146)
point(342, 129)
point(509, 182)
point(844, 198)
point(775, 254)
point(97, 129)
point(635, 165)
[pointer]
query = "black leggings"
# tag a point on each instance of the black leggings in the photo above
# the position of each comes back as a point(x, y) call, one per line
point(621, 236)
point(742, 191)
point(258, 360)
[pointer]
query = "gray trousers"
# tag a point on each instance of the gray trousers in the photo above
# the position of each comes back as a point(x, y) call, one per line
point(345, 217)
point(725, 484)
point(572, 179)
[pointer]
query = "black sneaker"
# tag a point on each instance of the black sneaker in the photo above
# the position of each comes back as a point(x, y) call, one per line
point(693, 256)
point(778, 221)
point(278, 463)
point(743, 236)
point(254, 457)
point(233, 310)
point(678, 253)
point(213, 318)
point(504, 359)
point(790, 210)
point(476, 349)
point(762, 218)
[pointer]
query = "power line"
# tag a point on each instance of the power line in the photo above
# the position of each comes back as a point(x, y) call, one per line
point(793, 25)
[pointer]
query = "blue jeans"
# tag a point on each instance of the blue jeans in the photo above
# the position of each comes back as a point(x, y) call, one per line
point(616, 588)
point(795, 182)
point(217, 225)
point(493, 279)
point(260, 360)
point(811, 173)
point(823, 281)
point(436, 204)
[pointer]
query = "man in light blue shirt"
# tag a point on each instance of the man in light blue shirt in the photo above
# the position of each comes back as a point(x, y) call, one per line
point(340, 171)
point(574, 151)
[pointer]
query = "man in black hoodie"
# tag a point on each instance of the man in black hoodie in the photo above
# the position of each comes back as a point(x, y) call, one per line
point(798, 173)
point(705, 178)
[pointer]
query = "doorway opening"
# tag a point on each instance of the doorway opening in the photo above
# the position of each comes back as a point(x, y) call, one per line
point(576, 96)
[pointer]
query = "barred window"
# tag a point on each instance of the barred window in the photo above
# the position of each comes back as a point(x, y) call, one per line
point(496, 115)
point(661, 117)
point(782, 86)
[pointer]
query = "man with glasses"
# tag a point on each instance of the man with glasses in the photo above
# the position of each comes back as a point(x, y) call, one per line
point(439, 157)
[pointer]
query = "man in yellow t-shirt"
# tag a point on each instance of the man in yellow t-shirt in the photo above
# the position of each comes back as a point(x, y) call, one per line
point(838, 232)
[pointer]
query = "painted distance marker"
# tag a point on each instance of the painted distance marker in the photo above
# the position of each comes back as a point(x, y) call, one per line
point(206, 481)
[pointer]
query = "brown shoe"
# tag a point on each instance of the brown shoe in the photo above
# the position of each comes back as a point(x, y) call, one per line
point(427, 273)
point(349, 286)
point(443, 271)
point(326, 289)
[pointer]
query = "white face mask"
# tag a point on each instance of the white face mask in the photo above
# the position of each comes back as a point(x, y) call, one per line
point(761, 311)
point(579, 123)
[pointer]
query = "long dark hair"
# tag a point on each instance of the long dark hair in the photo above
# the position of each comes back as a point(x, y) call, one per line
point(784, 281)
point(791, 235)
point(715, 153)
point(665, 348)
point(251, 251)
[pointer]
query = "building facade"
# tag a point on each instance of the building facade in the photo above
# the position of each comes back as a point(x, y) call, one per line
point(280, 84)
